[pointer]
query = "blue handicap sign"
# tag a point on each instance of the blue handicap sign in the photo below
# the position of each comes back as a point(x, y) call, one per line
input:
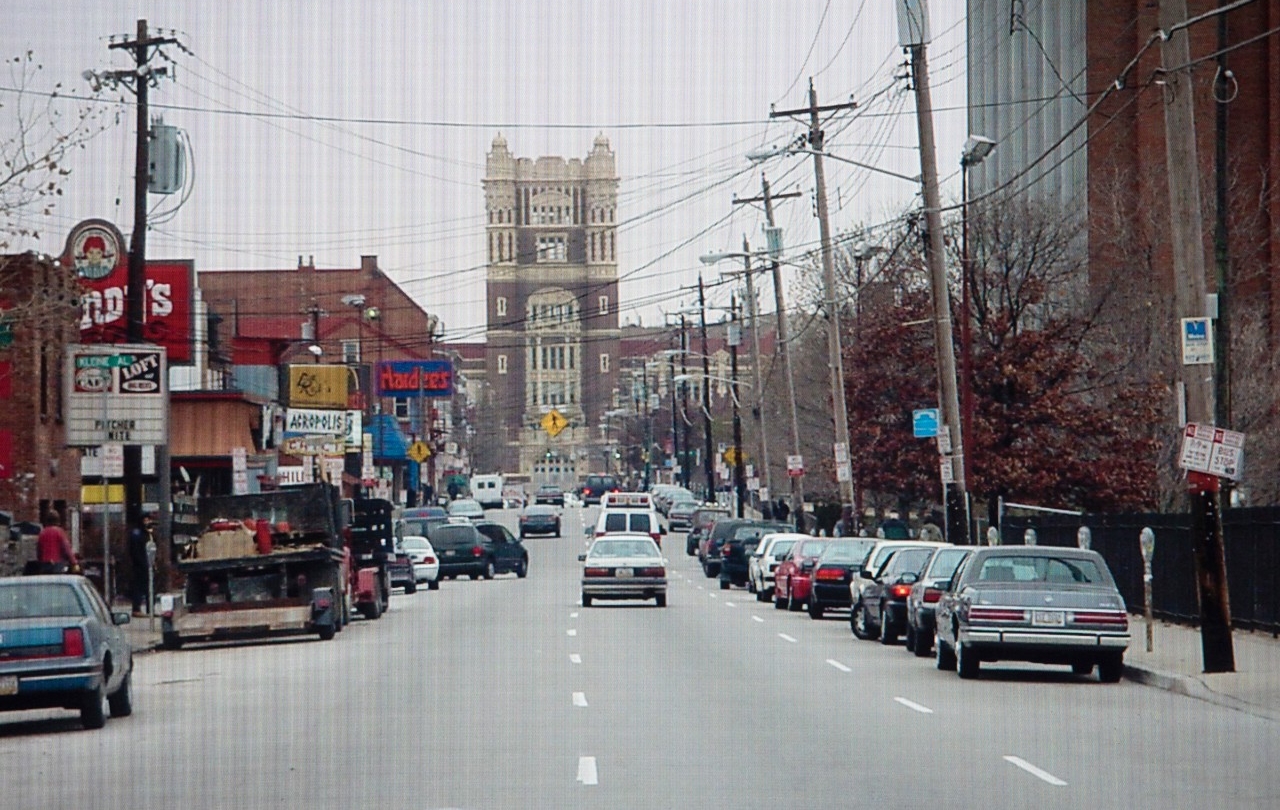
point(924, 423)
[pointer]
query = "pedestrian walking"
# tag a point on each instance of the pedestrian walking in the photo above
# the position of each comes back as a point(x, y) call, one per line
point(139, 537)
point(54, 554)
point(781, 510)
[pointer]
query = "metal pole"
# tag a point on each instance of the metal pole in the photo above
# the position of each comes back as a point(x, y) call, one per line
point(686, 470)
point(707, 463)
point(755, 371)
point(739, 477)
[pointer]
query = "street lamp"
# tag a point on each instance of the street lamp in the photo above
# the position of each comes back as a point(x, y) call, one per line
point(739, 470)
point(976, 149)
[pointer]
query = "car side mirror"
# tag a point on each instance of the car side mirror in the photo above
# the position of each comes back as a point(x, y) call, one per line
point(120, 617)
point(582, 558)
point(908, 579)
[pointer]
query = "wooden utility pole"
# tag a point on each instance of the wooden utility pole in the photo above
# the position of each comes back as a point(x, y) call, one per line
point(784, 346)
point(835, 356)
point(758, 410)
point(1187, 242)
point(708, 462)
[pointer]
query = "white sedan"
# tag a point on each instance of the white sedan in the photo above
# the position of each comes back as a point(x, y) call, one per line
point(765, 560)
point(624, 566)
point(426, 565)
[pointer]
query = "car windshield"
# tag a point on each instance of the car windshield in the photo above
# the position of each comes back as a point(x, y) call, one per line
point(946, 561)
point(415, 544)
point(1061, 570)
point(780, 548)
point(811, 548)
point(465, 508)
point(847, 551)
point(624, 548)
point(26, 600)
point(539, 511)
point(453, 534)
point(909, 560)
point(421, 526)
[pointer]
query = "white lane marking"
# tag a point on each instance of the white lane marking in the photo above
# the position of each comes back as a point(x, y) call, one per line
point(838, 665)
point(587, 770)
point(572, 632)
point(786, 637)
point(573, 615)
point(701, 588)
point(913, 706)
point(580, 699)
point(729, 604)
point(574, 658)
point(1034, 771)
point(713, 595)
point(757, 619)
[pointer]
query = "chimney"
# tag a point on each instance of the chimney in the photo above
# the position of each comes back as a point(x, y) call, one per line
point(369, 265)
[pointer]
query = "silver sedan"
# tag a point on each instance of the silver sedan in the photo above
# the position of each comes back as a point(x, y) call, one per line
point(624, 566)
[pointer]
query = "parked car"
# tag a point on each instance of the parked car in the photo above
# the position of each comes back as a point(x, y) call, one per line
point(539, 519)
point(925, 595)
point(735, 552)
point(62, 647)
point(467, 508)
point(426, 565)
point(1033, 603)
point(549, 494)
point(664, 495)
point(477, 550)
point(702, 518)
point(792, 582)
point(680, 512)
point(770, 552)
point(713, 538)
point(624, 566)
point(841, 558)
point(400, 569)
point(596, 486)
point(876, 559)
point(881, 610)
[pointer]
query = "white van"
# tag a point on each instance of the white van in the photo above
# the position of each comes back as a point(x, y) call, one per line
point(487, 490)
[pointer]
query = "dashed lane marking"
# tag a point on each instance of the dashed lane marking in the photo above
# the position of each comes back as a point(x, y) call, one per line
point(786, 637)
point(729, 604)
point(574, 658)
point(571, 632)
point(1034, 771)
point(838, 665)
point(757, 619)
point(913, 706)
point(587, 771)
point(580, 700)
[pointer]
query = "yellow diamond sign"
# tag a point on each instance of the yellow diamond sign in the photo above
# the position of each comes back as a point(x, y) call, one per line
point(554, 422)
point(419, 451)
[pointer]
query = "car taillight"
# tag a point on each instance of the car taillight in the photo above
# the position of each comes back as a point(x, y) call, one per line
point(1116, 618)
point(990, 614)
point(477, 551)
point(429, 560)
point(829, 575)
point(899, 591)
point(595, 572)
point(658, 571)
point(932, 594)
point(73, 642)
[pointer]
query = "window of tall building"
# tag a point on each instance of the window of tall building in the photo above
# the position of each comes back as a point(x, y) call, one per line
point(351, 351)
point(552, 248)
point(501, 305)
point(604, 364)
point(401, 407)
point(604, 305)
point(502, 364)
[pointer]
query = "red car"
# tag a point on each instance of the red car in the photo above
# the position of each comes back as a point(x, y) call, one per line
point(793, 581)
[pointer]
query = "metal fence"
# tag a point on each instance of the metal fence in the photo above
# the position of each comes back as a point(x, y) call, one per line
point(1251, 538)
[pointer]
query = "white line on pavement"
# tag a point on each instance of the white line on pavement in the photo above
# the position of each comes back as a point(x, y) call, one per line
point(1034, 771)
point(729, 604)
point(913, 706)
point(573, 615)
point(572, 632)
point(713, 595)
point(838, 665)
point(786, 637)
point(587, 770)
point(580, 699)
point(574, 658)
point(757, 619)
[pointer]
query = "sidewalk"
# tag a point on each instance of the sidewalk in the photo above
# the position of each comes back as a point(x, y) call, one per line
point(1176, 664)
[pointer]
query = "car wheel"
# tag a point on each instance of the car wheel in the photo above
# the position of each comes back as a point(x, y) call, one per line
point(967, 664)
point(433, 584)
point(522, 569)
point(724, 584)
point(327, 632)
point(586, 600)
point(778, 601)
point(557, 533)
point(943, 657)
point(792, 604)
point(521, 535)
point(660, 600)
point(1082, 667)
point(860, 623)
point(751, 585)
point(816, 610)
point(887, 634)
point(93, 709)
point(171, 641)
point(763, 595)
point(1111, 668)
point(489, 570)
point(121, 702)
point(923, 646)
point(909, 638)
point(411, 587)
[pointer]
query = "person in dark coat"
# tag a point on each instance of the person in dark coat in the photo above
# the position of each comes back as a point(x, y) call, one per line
point(781, 510)
point(139, 536)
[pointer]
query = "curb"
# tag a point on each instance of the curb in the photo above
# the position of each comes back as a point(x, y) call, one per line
point(1192, 687)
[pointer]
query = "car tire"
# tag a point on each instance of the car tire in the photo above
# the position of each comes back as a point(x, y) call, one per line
point(171, 641)
point(942, 655)
point(93, 709)
point(778, 602)
point(860, 623)
point(923, 646)
point(521, 535)
point(967, 664)
point(557, 534)
point(411, 587)
point(433, 584)
point(121, 702)
point(660, 600)
point(764, 596)
point(724, 584)
point(586, 600)
point(327, 632)
point(887, 634)
point(490, 570)
point(1082, 667)
point(816, 611)
point(751, 585)
point(909, 638)
point(1111, 668)
point(522, 569)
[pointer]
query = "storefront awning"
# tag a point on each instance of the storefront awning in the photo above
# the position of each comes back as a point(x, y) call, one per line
point(389, 442)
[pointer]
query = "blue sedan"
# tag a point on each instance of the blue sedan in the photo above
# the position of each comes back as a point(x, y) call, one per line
point(60, 646)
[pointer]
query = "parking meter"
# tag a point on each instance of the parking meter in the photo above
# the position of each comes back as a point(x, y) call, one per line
point(1147, 540)
point(151, 580)
point(1084, 537)
point(1029, 537)
point(993, 536)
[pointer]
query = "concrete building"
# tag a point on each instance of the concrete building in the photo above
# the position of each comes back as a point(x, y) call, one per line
point(552, 298)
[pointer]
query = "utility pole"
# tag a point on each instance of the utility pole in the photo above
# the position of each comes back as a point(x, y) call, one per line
point(686, 469)
point(958, 502)
point(141, 77)
point(707, 461)
point(675, 428)
point(784, 344)
point(835, 357)
point(739, 472)
point(758, 410)
point(1189, 295)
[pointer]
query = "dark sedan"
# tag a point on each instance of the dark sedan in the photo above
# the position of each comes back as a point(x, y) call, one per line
point(538, 519)
point(881, 610)
point(833, 571)
point(549, 494)
point(925, 594)
point(60, 646)
point(736, 550)
point(1033, 603)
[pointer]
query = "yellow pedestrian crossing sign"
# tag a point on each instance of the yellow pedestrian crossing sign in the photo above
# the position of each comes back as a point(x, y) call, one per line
point(419, 451)
point(554, 422)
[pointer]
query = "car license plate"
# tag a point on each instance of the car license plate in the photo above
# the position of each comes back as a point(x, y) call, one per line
point(624, 573)
point(448, 552)
point(9, 685)
point(1048, 618)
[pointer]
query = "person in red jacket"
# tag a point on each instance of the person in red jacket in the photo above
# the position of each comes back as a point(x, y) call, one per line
point(53, 550)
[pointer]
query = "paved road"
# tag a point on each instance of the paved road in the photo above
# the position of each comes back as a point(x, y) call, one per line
point(509, 694)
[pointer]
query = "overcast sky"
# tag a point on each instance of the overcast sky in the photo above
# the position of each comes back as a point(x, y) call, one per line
point(335, 130)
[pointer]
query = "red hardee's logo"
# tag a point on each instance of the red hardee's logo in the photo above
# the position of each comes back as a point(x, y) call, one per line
point(95, 248)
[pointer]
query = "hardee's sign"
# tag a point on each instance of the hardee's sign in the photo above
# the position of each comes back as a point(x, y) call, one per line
point(413, 378)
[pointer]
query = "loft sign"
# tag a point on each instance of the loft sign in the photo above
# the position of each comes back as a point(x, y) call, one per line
point(116, 394)
point(414, 378)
